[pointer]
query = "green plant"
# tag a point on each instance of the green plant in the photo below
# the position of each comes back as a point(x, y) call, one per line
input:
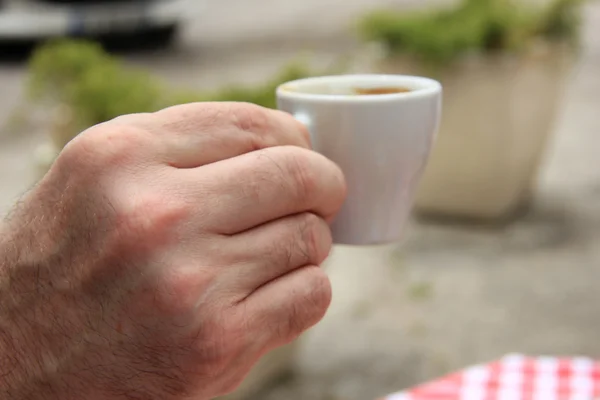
point(58, 65)
point(105, 92)
point(263, 94)
point(438, 37)
point(561, 20)
point(97, 87)
point(93, 84)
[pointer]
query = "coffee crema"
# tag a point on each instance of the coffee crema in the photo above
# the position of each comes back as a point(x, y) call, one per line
point(380, 90)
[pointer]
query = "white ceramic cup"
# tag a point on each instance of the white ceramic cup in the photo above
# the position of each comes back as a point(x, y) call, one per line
point(380, 141)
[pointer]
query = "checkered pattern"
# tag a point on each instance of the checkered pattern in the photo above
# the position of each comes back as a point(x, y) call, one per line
point(515, 377)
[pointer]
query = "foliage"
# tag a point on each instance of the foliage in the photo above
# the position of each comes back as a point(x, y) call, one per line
point(58, 65)
point(437, 37)
point(263, 95)
point(107, 91)
point(97, 87)
point(561, 20)
point(93, 84)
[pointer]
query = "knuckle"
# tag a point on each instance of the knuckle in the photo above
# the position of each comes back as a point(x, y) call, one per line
point(301, 167)
point(296, 323)
point(319, 293)
point(179, 290)
point(105, 145)
point(311, 305)
point(281, 254)
point(315, 236)
point(152, 219)
point(214, 357)
point(249, 117)
point(219, 345)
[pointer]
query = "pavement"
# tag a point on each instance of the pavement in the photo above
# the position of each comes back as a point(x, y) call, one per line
point(449, 295)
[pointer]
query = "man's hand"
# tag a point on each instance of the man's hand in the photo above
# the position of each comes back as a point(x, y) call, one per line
point(163, 254)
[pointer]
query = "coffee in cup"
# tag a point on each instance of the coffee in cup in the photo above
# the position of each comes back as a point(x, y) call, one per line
point(380, 90)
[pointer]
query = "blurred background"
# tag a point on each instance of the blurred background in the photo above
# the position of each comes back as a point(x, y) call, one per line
point(503, 253)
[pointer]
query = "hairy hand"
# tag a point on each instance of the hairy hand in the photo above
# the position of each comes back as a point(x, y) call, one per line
point(163, 254)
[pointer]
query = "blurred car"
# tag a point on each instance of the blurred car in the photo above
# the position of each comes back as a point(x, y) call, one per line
point(42, 19)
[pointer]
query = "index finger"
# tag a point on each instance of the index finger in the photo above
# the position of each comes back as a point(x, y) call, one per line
point(252, 189)
point(197, 134)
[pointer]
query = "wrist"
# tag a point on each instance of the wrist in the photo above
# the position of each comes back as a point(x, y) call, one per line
point(29, 343)
point(14, 357)
point(11, 361)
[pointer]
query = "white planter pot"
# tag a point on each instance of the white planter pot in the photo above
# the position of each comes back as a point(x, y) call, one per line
point(498, 113)
point(271, 367)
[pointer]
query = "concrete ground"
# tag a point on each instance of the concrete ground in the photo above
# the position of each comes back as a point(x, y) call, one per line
point(450, 295)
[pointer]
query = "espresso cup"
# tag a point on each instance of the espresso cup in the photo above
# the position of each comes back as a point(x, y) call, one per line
point(379, 129)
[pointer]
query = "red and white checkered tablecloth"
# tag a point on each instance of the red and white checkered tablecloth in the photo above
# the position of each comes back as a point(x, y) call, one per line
point(515, 377)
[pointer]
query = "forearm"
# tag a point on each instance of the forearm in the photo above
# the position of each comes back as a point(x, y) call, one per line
point(56, 325)
point(13, 335)
point(19, 374)
point(33, 339)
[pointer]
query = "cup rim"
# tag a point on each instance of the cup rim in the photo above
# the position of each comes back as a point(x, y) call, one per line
point(428, 86)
